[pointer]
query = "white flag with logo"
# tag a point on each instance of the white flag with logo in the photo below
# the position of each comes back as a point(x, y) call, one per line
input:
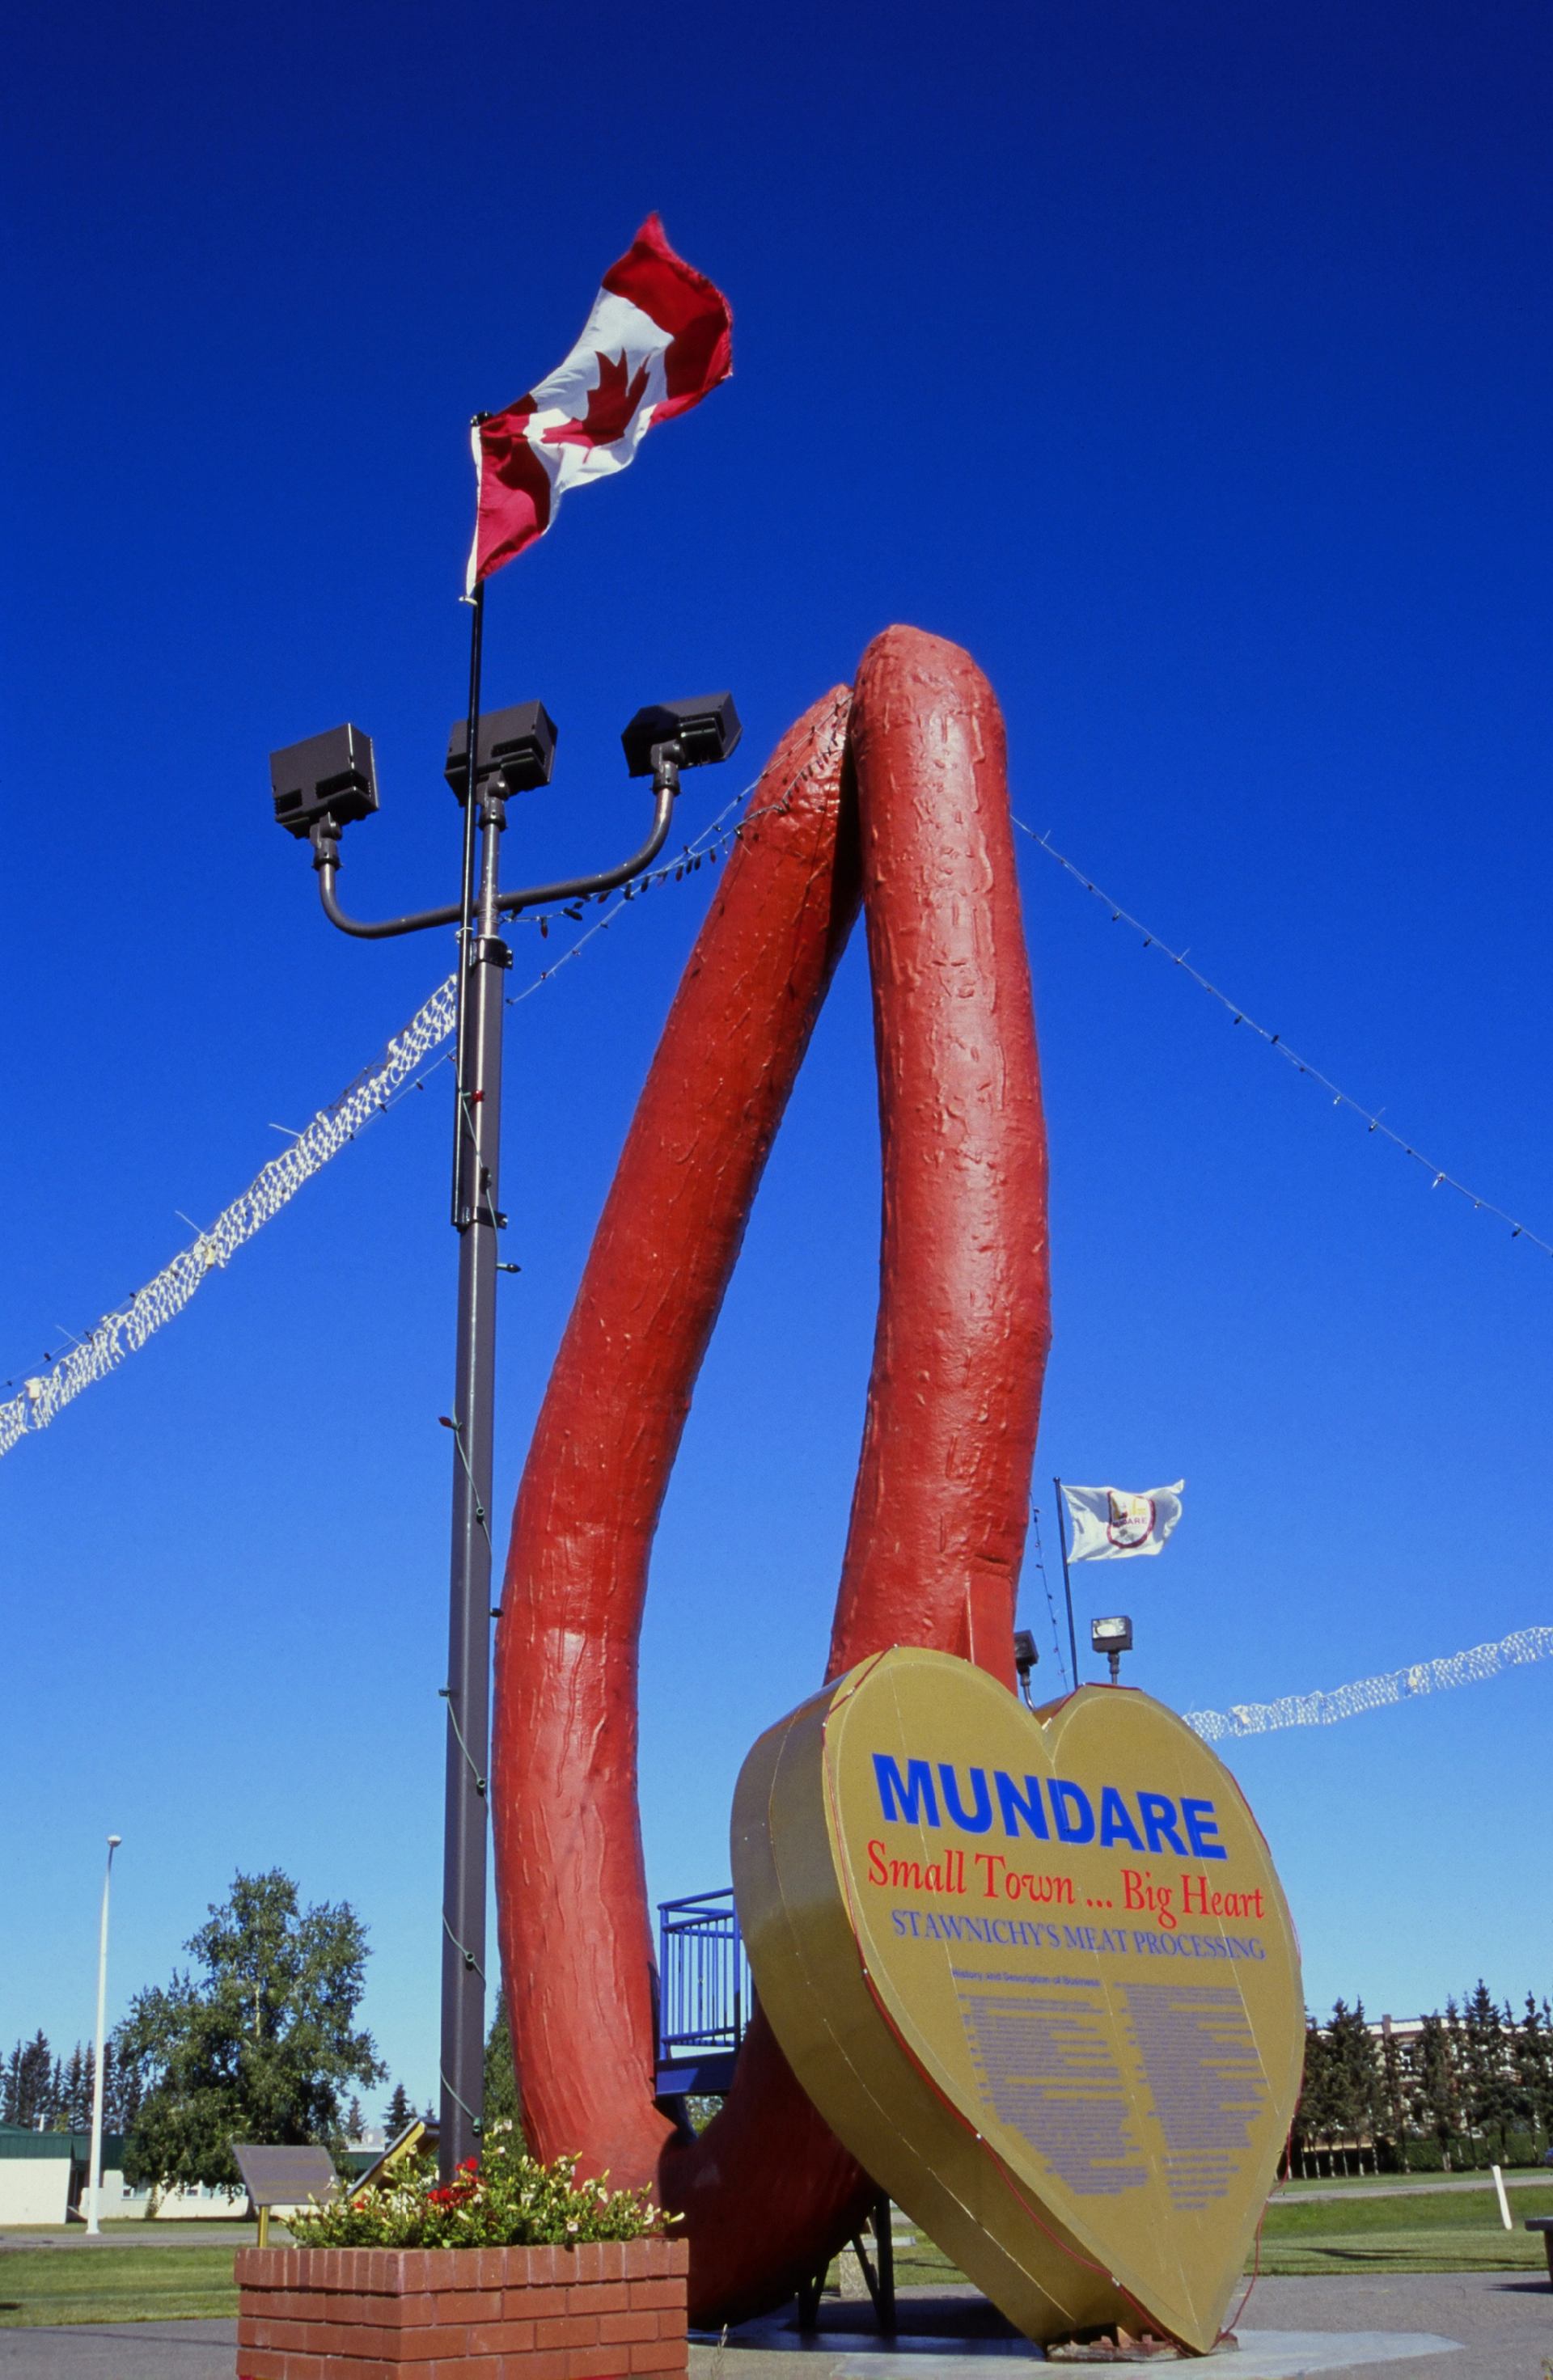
point(1109, 1524)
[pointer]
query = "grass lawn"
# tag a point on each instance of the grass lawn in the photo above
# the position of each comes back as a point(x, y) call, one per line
point(1516, 2177)
point(157, 2280)
point(113, 2283)
point(1443, 2232)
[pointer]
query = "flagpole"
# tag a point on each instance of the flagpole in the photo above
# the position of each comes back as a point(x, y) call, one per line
point(701, 341)
point(466, 877)
point(1067, 1582)
point(483, 956)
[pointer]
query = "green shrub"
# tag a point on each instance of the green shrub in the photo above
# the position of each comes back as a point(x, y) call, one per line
point(501, 2199)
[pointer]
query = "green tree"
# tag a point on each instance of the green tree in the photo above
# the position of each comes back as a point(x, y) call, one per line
point(1490, 2084)
point(1393, 2093)
point(501, 2074)
point(1356, 2075)
point(258, 2046)
point(121, 2090)
point(1439, 2096)
point(398, 2113)
point(74, 2114)
point(1532, 2053)
point(29, 2099)
point(1315, 2122)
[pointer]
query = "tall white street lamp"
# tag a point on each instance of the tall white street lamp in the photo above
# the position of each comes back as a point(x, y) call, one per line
point(94, 2173)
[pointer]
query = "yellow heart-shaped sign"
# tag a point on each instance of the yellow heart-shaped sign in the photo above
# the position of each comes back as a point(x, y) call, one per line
point(1037, 1974)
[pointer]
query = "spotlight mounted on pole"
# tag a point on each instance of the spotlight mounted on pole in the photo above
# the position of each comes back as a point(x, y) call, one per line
point(330, 777)
point(704, 729)
point(1112, 1637)
point(1024, 1659)
point(518, 745)
point(320, 787)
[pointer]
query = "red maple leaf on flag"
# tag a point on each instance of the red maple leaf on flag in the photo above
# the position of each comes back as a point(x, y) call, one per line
point(610, 404)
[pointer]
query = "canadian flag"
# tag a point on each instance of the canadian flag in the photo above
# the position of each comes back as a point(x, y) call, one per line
point(658, 337)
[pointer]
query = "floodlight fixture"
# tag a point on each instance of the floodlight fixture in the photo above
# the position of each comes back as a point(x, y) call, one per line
point(320, 786)
point(705, 728)
point(1025, 1658)
point(1112, 1637)
point(516, 746)
point(330, 777)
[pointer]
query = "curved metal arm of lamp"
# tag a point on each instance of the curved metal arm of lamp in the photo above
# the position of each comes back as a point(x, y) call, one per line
point(664, 790)
point(326, 860)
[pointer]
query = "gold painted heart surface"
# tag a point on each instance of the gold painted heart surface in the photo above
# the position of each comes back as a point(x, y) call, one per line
point(1037, 1974)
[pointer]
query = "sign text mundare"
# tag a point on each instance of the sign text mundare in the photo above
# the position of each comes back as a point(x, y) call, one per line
point(973, 1801)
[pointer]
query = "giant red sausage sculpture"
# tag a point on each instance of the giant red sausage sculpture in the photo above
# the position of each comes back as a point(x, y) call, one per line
point(904, 799)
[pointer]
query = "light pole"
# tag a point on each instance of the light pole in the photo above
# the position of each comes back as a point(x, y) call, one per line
point(94, 2173)
point(319, 787)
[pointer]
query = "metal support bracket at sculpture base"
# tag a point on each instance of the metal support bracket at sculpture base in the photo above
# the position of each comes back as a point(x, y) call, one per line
point(878, 2278)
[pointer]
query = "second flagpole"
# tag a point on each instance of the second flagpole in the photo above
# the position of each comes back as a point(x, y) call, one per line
point(1067, 1582)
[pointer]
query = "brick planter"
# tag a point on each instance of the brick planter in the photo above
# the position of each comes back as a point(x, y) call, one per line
point(602, 2311)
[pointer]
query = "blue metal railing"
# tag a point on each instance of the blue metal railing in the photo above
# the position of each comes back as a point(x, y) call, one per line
point(705, 1994)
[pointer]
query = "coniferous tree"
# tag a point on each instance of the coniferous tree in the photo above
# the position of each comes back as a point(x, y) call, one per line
point(1532, 2050)
point(1490, 2081)
point(1393, 2089)
point(354, 2121)
point(1356, 2069)
point(501, 2077)
point(1321, 2114)
point(29, 2084)
point(1439, 2102)
point(75, 2111)
point(122, 2091)
point(1456, 2034)
point(1305, 2135)
point(398, 2112)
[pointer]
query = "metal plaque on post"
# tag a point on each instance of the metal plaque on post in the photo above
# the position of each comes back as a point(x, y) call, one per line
point(284, 2177)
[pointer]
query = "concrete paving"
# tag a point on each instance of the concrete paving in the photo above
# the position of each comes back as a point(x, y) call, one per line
point(1416, 2325)
point(121, 2350)
point(1419, 2325)
point(73, 2237)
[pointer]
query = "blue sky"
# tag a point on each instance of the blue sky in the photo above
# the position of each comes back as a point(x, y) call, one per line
point(1189, 365)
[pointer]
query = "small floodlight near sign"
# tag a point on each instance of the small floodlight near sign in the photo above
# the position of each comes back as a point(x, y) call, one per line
point(1025, 1658)
point(1112, 1637)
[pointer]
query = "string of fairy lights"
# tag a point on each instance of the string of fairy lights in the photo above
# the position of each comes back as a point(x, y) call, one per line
point(408, 1064)
point(91, 1357)
point(1372, 1118)
point(1325, 1708)
point(1038, 1550)
point(42, 1394)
